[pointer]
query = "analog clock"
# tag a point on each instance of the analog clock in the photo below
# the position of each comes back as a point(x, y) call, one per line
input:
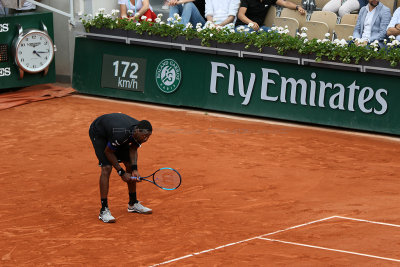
point(33, 50)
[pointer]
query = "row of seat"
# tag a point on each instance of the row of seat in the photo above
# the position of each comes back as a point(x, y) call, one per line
point(318, 24)
point(319, 4)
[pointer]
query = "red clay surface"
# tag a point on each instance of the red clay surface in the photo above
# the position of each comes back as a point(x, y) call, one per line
point(241, 179)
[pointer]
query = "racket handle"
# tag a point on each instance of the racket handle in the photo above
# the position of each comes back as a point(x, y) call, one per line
point(136, 178)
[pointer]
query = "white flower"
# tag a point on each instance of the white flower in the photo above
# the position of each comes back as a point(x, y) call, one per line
point(176, 16)
point(318, 41)
point(327, 34)
point(211, 35)
point(304, 29)
point(130, 12)
point(199, 29)
point(392, 37)
point(273, 29)
point(251, 25)
point(137, 23)
point(162, 23)
point(189, 25)
point(115, 12)
point(351, 37)
point(160, 15)
point(150, 20)
point(247, 30)
point(199, 25)
point(305, 40)
point(396, 42)
point(303, 35)
point(232, 31)
point(101, 10)
point(158, 20)
point(170, 19)
point(143, 18)
point(107, 16)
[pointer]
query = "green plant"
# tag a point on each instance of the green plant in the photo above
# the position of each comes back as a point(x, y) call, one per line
point(345, 51)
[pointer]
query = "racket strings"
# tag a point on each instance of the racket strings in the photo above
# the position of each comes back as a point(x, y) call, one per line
point(167, 179)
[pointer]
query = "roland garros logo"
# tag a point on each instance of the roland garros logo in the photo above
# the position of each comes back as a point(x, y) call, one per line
point(168, 75)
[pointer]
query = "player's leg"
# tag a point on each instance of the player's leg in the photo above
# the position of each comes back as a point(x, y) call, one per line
point(134, 205)
point(99, 145)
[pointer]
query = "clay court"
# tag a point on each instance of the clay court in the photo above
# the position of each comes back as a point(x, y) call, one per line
point(254, 193)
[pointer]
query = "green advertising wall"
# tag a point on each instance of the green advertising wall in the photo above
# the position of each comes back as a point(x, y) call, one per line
point(9, 73)
point(257, 87)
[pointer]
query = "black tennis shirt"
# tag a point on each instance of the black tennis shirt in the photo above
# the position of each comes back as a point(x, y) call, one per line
point(256, 10)
point(116, 128)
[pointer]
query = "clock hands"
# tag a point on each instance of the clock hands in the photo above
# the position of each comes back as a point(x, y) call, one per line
point(37, 53)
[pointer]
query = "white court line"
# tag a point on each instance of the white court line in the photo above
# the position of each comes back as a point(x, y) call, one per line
point(242, 241)
point(330, 249)
point(360, 220)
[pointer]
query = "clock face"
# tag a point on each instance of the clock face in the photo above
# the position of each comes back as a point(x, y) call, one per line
point(34, 52)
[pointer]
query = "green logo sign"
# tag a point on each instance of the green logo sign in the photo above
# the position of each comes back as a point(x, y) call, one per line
point(168, 75)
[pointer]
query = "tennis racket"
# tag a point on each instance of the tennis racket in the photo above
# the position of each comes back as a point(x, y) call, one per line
point(164, 178)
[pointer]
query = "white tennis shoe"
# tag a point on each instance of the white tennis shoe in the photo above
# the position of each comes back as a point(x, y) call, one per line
point(139, 208)
point(106, 216)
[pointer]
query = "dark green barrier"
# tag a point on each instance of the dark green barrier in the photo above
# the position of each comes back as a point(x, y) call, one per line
point(331, 97)
point(9, 72)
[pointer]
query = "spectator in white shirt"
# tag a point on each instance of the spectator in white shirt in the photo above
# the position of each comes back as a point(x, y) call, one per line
point(394, 25)
point(372, 23)
point(222, 12)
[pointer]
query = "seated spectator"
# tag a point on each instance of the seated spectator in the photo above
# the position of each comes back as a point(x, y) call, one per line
point(394, 25)
point(135, 9)
point(27, 7)
point(252, 13)
point(372, 23)
point(342, 7)
point(222, 12)
point(3, 10)
point(189, 10)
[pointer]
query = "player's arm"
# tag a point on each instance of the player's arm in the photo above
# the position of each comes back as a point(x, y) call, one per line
point(133, 155)
point(112, 158)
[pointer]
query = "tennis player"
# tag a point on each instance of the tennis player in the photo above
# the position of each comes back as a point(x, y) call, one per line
point(116, 138)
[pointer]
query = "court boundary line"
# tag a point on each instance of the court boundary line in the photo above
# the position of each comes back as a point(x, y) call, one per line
point(262, 237)
point(247, 118)
point(329, 249)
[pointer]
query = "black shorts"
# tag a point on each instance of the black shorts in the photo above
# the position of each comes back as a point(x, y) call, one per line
point(100, 144)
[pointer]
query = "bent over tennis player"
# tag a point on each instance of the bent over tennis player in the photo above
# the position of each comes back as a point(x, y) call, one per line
point(116, 138)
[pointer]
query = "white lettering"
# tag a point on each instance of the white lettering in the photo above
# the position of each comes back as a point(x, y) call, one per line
point(353, 87)
point(312, 89)
point(231, 79)
point(215, 74)
point(362, 99)
point(249, 87)
point(340, 97)
point(4, 27)
point(265, 82)
point(5, 72)
point(293, 92)
point(381, 101)
point(322, 88)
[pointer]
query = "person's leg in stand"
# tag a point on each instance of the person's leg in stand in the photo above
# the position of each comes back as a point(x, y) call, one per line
point(192, 14)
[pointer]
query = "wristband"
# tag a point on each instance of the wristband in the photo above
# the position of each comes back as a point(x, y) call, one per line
point(121, 172)
point(134, 167)
point(297, 7)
